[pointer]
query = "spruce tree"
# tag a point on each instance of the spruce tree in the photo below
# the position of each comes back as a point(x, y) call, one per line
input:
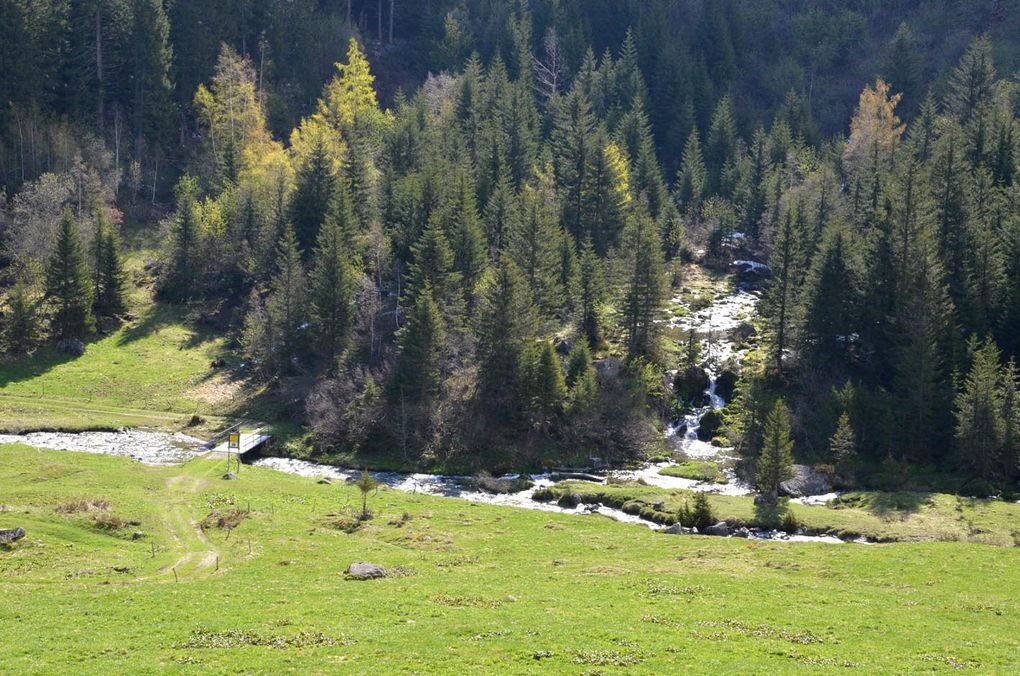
point(591, 294)
point(843, 449)
point(542, 388)
point(830, 301)
point(504, 322)
point(775, 464)
point(972, 83)
point(21, 325)
point(573, 147)
point(315, 185)
point(692, 178)
point(721, 148)
point(287, 303)
point(781, 295)
point(110, 277)
point(1011, 422)
point(418, 374)
point(68, 288)
point(463, 229)
point(533, 244)
point(980, 427)
point(333, 284)
point(645, 286)
point(179, 280)
point(432, 265)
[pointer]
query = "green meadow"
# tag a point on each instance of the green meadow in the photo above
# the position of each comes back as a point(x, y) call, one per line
point(247, 576)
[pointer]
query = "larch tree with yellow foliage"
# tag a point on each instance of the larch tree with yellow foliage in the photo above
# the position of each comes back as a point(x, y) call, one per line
point(875, 130)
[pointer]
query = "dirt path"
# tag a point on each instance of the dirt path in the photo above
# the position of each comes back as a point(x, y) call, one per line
point(200, 553)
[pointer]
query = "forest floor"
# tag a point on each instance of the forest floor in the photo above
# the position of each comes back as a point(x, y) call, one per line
point(259, 588)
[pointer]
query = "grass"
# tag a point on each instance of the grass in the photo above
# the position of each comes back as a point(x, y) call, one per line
point(696, 470)
point(882, 517)
point(473, 588)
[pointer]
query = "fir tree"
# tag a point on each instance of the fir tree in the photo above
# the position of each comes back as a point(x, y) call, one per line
point(692, 178)
point(781, 296)
point(110, 277)
point(972, 83)
point(333, 284)
point(645, 286)
point(67, 284)
point(721, 148)
point(179, 280)
point(775, 464)
point(573, 147)
point(315, 185)
point(432, 265)
point(418, 373)
point(504, 323)
point(592, 290)
point(980, 427)
point(543, 390)
point(287, 303)
point(21, 325)
point(533, 244)
point(843, 449)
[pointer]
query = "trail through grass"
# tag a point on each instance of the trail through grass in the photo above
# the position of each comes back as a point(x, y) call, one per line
point(472, 588)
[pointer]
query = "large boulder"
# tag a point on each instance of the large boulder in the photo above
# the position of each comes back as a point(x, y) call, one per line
point(677, 529)
point(710, 424)
point(690, 384)
point(726, 384)
point(365, 571)
point(9, 535)
point(721, 529)
point(806, 481)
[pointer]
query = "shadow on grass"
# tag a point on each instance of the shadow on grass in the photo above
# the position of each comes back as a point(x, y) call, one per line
point(37, 364)
point(894, 503)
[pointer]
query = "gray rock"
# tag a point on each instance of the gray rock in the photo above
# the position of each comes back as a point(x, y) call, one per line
point(137, 535)
point(9, 535)
point(744, 331)
point(365, 571)
point(710, 424)
point(742, 533)
point(71, 346)
point(325, 481)
point(107, 325)
point(677, 529)
point(721, 529)
point(229, 476)
point(806, 481)
point(690, 383)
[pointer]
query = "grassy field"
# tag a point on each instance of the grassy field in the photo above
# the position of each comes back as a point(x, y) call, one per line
point(474, 588)
point(901, 516)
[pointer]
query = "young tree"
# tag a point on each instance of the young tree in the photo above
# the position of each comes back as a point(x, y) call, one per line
point(692, 177)
point(645, 286)
point(504, 322)
point(418, 374)
point(775, 464)
point(179, 279)
point(980, 427)
point(67, 284)
point(843, 449)
point(110, 277)
point(21, 327)
point(333, 284)
point(592, 290)
point(543, 390)
point(314, 190)
point(367, 485)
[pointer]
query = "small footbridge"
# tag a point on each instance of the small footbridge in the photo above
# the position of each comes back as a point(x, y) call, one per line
point(239, 440)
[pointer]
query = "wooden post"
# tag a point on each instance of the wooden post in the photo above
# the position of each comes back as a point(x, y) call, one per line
point(175, 575)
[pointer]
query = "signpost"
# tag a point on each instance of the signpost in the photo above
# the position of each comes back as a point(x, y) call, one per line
point(234, 443)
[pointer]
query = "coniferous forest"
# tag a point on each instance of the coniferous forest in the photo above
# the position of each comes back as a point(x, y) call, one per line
point(450, 234)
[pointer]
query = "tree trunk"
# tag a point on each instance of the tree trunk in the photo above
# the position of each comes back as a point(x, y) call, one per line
point(391, 21)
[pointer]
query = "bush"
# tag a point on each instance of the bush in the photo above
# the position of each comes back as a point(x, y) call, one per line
point(789, 523)
point(702, 515)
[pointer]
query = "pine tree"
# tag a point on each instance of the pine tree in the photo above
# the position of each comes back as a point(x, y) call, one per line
point(463, 229)
point(980, 427)
point(179, 281)
point(500, 213)
point(902, 65)
point(287, 303)
point(592, 290)
point(830, 301)
point(21, 326)
point(504, 322)
point(151, 66)
point(949, 189)
point(605, 195)
point(1011, 422)
point(543, 390)
point(692, 178)
point(972, 83)
point(110, 277)
point(67, 284)
point(333, 284)
point(781, 298)
point(775, 464)
point(432, 265)
point(984, 264)
point(645, 286)
point(573, 147)
point(418, 373)
point(315, 186)
point(843, 449)
point(721, 149)
point(533, 244)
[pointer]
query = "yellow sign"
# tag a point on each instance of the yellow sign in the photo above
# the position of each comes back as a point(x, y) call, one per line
point(234, 440)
